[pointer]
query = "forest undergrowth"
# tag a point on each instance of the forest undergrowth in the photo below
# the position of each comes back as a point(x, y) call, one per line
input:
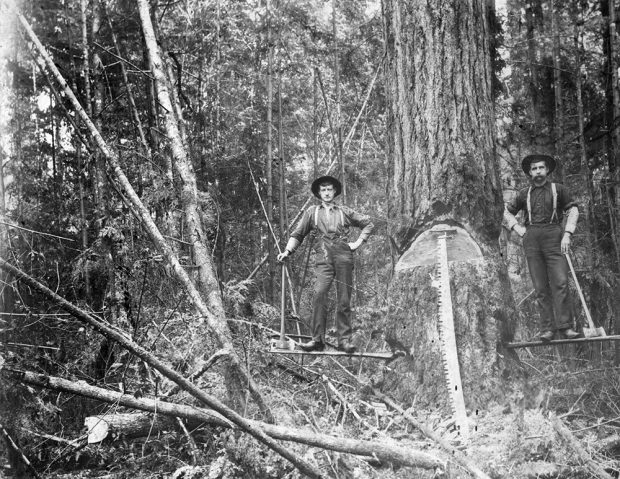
point(577, 386)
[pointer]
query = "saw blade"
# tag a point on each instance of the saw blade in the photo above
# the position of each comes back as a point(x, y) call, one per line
point(448, 340)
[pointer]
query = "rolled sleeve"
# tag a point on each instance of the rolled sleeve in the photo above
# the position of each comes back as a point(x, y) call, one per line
point(509, 219)
point(512, 208)
point(566, 200)
point(571, 219)
point(517, 203)
point(363, 222)
point(303, 227)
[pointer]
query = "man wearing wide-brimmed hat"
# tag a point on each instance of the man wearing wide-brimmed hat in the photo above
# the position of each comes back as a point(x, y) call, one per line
point(334, 259)
point(546, 242)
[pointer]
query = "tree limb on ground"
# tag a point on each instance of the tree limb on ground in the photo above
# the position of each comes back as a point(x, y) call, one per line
point(377, 450)
point(458, 456)
point(124, 340)
point(18, 452)
point(573, 443)
point(213, 316)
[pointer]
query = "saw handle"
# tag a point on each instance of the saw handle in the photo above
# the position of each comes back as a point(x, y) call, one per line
point(583, 300)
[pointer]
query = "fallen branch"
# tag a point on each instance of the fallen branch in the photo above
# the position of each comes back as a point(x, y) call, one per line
point(220, 353)
point(573, 443)
point(51, 437)
point(608, 444)
point(196, 455)
point(212, 314)
point(454, 452)
point(125, 341)
point(18, 452)
point(377, 450)
point(346, 404)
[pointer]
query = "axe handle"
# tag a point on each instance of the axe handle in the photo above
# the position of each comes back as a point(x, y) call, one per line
point(583, 300)
point(283, 303)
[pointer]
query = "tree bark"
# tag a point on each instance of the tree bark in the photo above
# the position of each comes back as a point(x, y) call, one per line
point(6, 300)
point(338, 119)
point(380, 450)
point(614, 160)
point(583, 154)
point(557, 81)
point(269, 281)
point(595, 469)
point(443, 170)
point(207, 282)
point(532, 7)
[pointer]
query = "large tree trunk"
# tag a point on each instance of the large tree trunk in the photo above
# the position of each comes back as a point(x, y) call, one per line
point(443, 170)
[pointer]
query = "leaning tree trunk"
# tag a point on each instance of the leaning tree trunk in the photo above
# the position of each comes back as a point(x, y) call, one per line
point(237, 378)
point(443, 170)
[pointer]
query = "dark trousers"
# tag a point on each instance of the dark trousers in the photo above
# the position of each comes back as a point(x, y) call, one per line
point(334, 261)
point(549, 272)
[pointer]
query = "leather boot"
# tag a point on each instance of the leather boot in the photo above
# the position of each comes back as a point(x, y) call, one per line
point(347, 346)
point(313, 345)
point(570, 333)
point(546, 336)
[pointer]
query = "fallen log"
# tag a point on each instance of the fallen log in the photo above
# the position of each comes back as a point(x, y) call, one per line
point(542, 469)
point(375, 449)
point(595, 469)
point(128, 425)
point(165, 369)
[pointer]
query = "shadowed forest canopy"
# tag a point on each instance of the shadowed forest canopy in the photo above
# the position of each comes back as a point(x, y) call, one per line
point(155, 156)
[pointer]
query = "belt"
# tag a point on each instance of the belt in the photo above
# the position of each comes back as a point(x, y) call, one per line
point(336, 238)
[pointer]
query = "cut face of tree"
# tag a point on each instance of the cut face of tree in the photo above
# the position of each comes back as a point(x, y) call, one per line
point(443, 171)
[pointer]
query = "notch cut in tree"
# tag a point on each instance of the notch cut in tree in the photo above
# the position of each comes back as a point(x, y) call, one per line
point(214, 319)
point(443, 170)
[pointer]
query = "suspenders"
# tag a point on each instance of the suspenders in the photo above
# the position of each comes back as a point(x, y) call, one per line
point(554, 193)
point(316, 216)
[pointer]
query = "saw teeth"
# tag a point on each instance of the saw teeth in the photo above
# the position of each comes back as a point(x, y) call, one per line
point(449, 356)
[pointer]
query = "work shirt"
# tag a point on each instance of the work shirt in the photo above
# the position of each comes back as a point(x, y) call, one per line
point(541, 200)
point(333, 222)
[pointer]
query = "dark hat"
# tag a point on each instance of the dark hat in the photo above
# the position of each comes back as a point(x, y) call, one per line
point(316, 184)
point(529, 159)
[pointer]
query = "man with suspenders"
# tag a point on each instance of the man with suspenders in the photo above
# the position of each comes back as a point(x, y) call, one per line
point(334, 259)
point(545, 242)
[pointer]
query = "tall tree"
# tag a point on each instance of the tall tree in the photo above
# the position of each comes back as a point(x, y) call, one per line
point(443, 170)
point(557, 79)
point(207, 283)
point(269, 157)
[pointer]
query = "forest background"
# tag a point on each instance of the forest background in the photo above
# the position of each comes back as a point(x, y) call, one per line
point(266, 95)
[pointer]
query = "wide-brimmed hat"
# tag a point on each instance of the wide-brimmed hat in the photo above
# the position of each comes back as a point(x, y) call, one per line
point(316, 185)
point(529, 159)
